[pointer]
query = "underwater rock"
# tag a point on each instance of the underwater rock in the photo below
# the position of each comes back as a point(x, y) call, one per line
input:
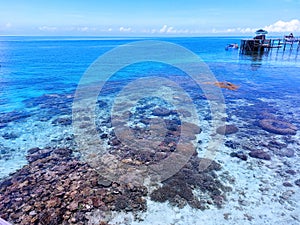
point(193, 128)
point(284, 152)
point(10, 136)
point(239, 155)
point(102, 104)
point(161, 111)
point(260, 154)
point(275, 144)
point(227, 129)
point(231, 144)
point(40, 154)
point(291, 172)
point(172, 125)
point(5, 152)
point(104, 136)
point(114, 142)
point(13, 116)
point(278, 127)
point(297, 182)
point(44, 117)
point(287, 184)
point(62, 121)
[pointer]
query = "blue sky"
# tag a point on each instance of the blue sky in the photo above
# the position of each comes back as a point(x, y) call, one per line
point(148, 17)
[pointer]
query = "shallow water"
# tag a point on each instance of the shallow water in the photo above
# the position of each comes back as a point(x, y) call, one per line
point(39, 76)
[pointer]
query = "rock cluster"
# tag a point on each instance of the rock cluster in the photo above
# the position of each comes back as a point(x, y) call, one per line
point(56, 188)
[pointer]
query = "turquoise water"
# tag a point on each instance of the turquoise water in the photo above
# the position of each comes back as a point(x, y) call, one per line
point(39, 76)
point(33, 66)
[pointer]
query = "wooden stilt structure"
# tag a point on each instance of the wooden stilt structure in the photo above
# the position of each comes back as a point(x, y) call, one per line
point(261, 45)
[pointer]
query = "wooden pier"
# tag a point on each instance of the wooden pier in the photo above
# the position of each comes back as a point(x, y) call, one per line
point(261, 45)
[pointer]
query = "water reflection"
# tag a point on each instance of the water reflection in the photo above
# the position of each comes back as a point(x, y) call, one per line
point(271, 56)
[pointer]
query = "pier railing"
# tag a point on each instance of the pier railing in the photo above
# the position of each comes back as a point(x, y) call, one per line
point(256, 45)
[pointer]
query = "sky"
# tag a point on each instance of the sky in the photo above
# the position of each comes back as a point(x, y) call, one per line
point(148, 17)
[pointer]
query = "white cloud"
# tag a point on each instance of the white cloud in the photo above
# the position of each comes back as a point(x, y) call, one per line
point(234, 30)
point(231, 30)
point(125, 29)
point(170, 30)
point(48, 28)
point(83, 29)
point(279, 26)
point(8, 25)
point(163, 29)
point(282, 26)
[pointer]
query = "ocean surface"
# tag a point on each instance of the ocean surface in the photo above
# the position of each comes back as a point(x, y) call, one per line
point(39, 76)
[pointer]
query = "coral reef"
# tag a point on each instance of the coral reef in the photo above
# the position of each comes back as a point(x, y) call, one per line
point(278, 127)
point(58, 189)
point(179, 189)
point(144, 132)
point(224, 84)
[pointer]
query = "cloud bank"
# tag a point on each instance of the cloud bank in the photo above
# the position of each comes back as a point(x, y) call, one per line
point(281, 26)
point(277, 27)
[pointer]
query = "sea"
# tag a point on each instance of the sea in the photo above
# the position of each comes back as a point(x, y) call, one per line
point(39, 77)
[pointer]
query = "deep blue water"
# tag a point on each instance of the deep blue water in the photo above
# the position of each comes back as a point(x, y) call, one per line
point(33, 66)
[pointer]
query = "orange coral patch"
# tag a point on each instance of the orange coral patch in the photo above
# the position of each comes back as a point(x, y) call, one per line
point(224, 84)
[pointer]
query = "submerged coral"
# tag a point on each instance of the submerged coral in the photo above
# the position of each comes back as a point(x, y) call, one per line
point(58, 189)
point(180, 189)
point(224, 84)
point(260, 154)
point(278, 127)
